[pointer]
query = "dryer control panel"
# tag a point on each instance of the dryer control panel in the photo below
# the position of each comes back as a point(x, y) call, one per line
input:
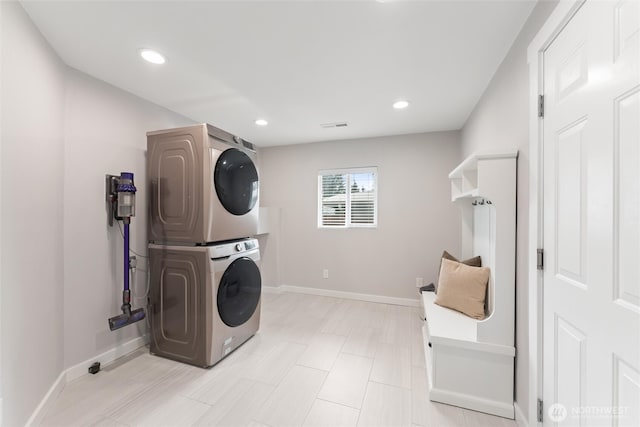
point(235, 247)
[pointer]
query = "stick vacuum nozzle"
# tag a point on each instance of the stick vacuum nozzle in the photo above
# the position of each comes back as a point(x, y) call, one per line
point(123, 320)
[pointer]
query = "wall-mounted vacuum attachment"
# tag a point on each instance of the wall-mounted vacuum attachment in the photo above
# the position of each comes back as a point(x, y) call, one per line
point(121, 206)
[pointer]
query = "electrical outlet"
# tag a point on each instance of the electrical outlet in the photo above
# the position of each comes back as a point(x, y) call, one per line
point(419, 282)
point(325, 274)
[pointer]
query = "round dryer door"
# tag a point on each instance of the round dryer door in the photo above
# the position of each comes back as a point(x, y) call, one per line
point(239, 292)
point(236, 181)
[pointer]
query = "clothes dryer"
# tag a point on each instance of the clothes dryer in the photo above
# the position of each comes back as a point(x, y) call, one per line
point(204, 300)
point(203, 186)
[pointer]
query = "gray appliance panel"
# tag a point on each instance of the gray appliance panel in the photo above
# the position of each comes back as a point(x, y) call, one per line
point(180, 304)
point(185, 323)
point(183, 203)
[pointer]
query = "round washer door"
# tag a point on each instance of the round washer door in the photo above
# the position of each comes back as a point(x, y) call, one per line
point(239, 292)
point(236, 181)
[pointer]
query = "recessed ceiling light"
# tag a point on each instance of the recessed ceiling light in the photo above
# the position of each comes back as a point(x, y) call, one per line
point(399, 105)
point(152, 56)
point(261, 122)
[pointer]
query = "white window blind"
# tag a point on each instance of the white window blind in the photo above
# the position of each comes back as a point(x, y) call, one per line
point(348, 198)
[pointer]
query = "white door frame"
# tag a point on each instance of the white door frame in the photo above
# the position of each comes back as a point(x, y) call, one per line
point(561, 15)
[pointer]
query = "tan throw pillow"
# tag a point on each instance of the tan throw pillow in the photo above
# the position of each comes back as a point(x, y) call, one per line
point(463, 288)
point(476, 261)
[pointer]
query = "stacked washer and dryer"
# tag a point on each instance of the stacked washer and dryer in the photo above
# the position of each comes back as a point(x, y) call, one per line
point(205, 285)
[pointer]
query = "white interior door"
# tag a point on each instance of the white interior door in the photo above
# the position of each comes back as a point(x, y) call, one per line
point(591, 337)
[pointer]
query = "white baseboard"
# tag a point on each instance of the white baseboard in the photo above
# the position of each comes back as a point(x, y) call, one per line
point(494, 407)
point(521, 420)
point(108, 356)
point(82, 368)
point(341, 294)
point(52, 394)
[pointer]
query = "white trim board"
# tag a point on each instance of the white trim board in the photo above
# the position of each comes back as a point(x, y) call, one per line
point(560, 16)
point(521, 419)
point(342, 294)
point(54, 391)
point(474, 403)
point(79, 370)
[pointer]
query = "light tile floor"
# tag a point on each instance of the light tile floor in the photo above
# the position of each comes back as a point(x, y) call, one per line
point(316, 361)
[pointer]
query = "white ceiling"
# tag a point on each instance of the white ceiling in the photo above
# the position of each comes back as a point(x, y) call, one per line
point(297, 64)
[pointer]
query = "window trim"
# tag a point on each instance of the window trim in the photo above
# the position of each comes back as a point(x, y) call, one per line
point(348, 172)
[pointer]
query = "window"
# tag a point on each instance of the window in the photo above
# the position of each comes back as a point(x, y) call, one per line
point(348, 198)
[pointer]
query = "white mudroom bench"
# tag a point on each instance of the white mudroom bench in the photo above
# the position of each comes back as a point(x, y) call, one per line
point(470, 363)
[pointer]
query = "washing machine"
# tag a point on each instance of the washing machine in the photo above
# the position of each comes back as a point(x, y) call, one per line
point(203, 186)
point(204, 301)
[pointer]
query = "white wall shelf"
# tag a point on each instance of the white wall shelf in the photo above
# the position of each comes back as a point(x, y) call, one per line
point(470, 362)
point(465, 178)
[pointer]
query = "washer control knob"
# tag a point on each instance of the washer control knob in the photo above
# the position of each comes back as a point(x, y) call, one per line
point(240, 247)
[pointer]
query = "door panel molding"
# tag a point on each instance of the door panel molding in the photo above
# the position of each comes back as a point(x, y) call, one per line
point(626, 217)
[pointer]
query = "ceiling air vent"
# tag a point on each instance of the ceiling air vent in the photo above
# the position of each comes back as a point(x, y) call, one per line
point(333, 125)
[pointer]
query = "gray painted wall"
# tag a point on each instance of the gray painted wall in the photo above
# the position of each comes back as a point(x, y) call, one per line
point(33, 81)
point(416, 219)
point(501, 120)
point(62, 131)
point(105, 132)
